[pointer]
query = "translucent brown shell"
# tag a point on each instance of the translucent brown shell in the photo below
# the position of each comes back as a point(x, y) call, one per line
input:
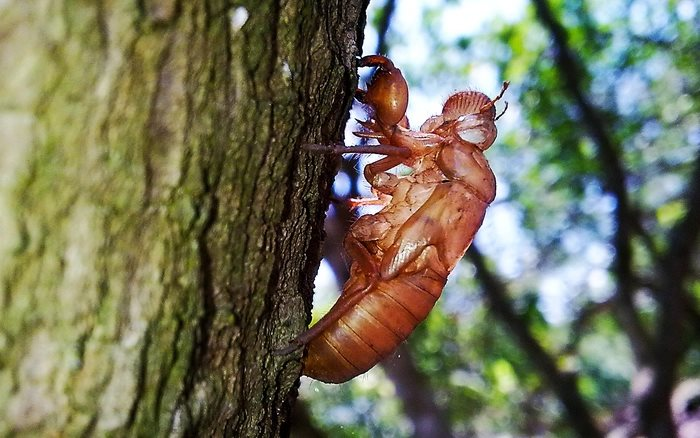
point(467, 102)
point(401, 255)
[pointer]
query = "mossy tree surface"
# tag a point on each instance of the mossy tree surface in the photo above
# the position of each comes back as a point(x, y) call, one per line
point(158, 219)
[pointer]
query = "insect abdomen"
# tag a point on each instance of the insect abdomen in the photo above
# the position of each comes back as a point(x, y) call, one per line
point(374, 327)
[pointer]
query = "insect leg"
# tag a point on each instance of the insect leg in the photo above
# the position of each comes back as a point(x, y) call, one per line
point(359, 149)
point(395, 155)
point(374, 169)
point(346, 301)
point(360, 95)
point(427, 226)
point(358, 253)
point(376, 61)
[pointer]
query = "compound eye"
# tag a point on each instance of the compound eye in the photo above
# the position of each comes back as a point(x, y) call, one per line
point(475, 135)
point(477, 130)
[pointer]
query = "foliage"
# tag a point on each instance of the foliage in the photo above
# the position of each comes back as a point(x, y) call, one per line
point(556, 235)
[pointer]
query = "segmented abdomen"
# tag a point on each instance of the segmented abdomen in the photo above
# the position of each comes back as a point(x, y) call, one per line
point(383, 318)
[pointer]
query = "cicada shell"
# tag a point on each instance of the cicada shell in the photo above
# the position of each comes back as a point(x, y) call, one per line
point(402, 255)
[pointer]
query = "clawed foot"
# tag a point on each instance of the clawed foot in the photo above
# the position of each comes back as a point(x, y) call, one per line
point(292, 347)
point(380, 61)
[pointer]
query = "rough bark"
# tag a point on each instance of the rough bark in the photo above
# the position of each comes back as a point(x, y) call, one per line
point(158, 219)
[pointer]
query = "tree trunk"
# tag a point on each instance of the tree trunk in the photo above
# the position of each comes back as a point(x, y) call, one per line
point(159, 225)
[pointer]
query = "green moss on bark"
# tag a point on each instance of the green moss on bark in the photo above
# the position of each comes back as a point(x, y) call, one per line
point(159, 219)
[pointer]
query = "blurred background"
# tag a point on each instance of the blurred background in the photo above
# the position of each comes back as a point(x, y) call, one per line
point(575, 313)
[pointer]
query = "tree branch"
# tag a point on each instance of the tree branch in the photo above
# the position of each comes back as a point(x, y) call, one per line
point(666, 352)
point(416, 393)
point(383, 26)
point(683, 238)
point(676, 315)
point(302, 424)
point(562, 384)
point(612, 176)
